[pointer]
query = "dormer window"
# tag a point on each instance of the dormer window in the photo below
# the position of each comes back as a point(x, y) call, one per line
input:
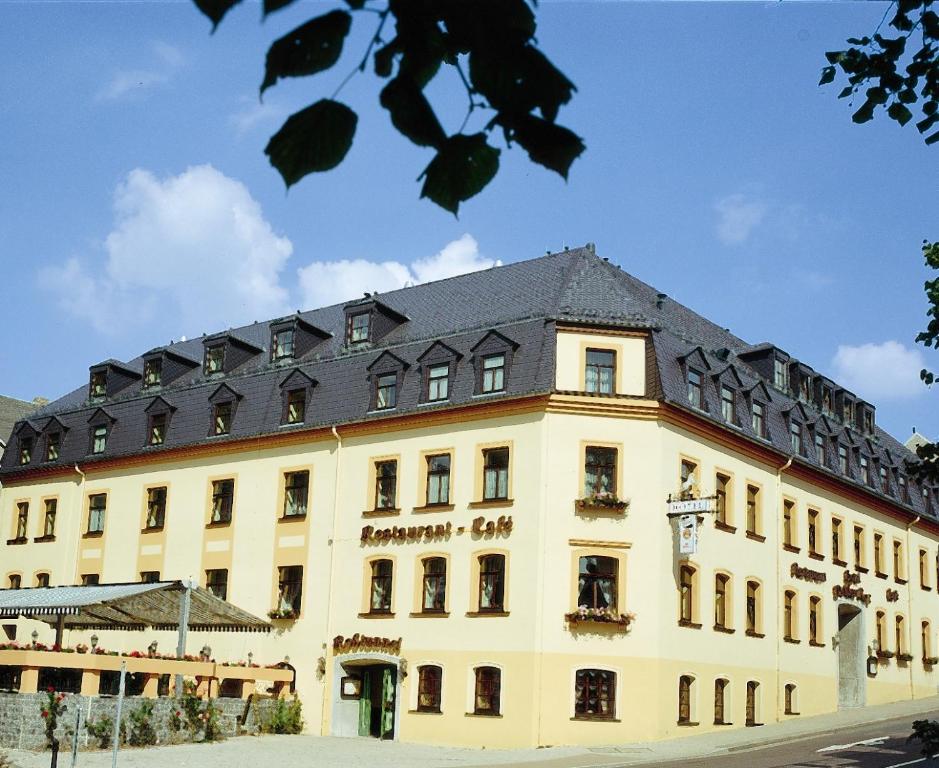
point(728, 406)
point(866, 471)
point(826, 403)
point(295, 393)
point(222, 418)
point(904, 489)
point(98, 387)
point(758, 419)
point(846, 412)
point(53, 443)
point(820, 450)
point(214, 359)
point(795, 436)
point(152, 372)
point(359, 327)
point(386, 374)
point(843, 460)
point(884, 480)
point(156, 432)
point(804, 386)
point(438, 380)
point(282, 344)
point(600, 373)
point(780, 374)
point(99, 438)
point(695, 396)
point(26, 449)
point(868, 422)
point(493, 378)
point(386, 391)
point(296, 406)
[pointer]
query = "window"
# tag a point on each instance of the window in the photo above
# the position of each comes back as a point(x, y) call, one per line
point(789, 699)
point(805, 385)
point(438, 379)
point(753, 691)
point(296, 406)
point(879, 554)
point(694, 388)
point(780, 374)
point(923, 570)
point(488, 685)
point(595, 694)
point(788, 523)
point(16, 581)
point(282, 344)
point(721, 600)
point(925, 639)
point(820, 455)
point(836, 540)
point(53, 444)
point(815, 623)
point(758, 419)
point(753, 607)
point(866, 471)
point(858, 546)
point(720, 688)
point(904, 489)
point(826, 403)
point(493, 373)
point(685, 682)
point(898, 570)
point(216, 582)
point(900, 631)
point(156, 507)
point(358, 327)
point(728, 407)
point(214, 359)
point(492, 583)
point(381, 581)
point(434, 595)
point(99, 438)
point(813, 532)
point(722, 483)
point(495, 474)
point(428, 688)
point(42, 579)
point(600, 373)
point(843, 460)
point(884, 480)
point(26, 449)
point(98, 386)
point(438, 479)
point(927, 504)
point(149, 577)
point(221, 418)
point(795, 437)
point(289, 589)
point(689, 479)
point(296, 491)
point(686, 602)
point(152, 372)
point(97, 505)
point(386, 393)
point(156, 433)
point(223, 497)
point(789, 625)
point(386, 484)
point(881, 631)
point(22, 520)
point(48, 525)
point(600, 472)
point(596, 583)
point(90, 579)
point(753, 509)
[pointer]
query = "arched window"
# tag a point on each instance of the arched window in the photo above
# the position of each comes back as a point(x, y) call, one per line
point(721, 600)
point(790, 699)
point(435, 585)
point(686, 579)
point(380, 596)
point(753, 608)
point(685, 683)
point(753, 694)
point(492, 583)
point(815, 619)
point(881, 630)
point(720, 702)
point(900, 635)
point(428, 688)
point(789, 628)
point(596, 586)
point(595, 694)
point(488, 690)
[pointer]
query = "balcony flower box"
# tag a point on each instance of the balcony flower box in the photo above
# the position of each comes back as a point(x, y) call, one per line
point(905, 657)
point(884, 654)
point(930, 661)
point(283, 613)
point(607, 502)
point(585, 615)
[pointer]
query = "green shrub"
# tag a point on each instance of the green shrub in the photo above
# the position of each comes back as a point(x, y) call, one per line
point(142, 733)
point(102, 731)
point(285, 717)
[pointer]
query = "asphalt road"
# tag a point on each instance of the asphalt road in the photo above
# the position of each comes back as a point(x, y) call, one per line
point(875, 745)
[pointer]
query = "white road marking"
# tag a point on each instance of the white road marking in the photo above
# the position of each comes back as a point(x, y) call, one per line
point(866, 743)
point(911, 762)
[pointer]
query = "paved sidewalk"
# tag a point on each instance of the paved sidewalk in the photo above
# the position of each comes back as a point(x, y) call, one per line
point(330, 752)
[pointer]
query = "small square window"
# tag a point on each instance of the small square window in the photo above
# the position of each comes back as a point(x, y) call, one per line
point(359, 328)
point(98, 387)
point(156, 434)
point(152, 372)
point(600, 372)
point(216, 582)
point(99, 438)
point(296, 406)
point(386, 395)
point(90, 579)
point(53, 443)
point(149, 577)
point(221, 419)
point(493, 373)
point(26, 450)
point(438, 379)
point(282, 344)
point(214, 359)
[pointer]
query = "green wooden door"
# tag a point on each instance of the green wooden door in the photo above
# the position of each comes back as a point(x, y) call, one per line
point(365, 705)
point(387, 702)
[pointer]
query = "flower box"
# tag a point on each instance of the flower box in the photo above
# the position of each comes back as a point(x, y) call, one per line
point(904, 657)
point(884, 654)
point(599, 616)
point(930, 661)
point(603, 501)
point(282, 613)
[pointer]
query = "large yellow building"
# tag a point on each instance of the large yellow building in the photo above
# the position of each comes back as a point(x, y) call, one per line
point(453, 502)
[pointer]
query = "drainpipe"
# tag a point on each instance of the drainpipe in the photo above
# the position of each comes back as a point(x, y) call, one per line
point(329, 575)
point(76, 528)
point(909, 595)
point(540, 583)
point(778, 548)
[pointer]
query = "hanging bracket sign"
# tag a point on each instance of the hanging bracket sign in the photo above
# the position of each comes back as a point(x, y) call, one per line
point(688, 534)
point(689, 506)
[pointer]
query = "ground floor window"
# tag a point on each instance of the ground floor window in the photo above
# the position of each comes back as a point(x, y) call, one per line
point(720, 701)
point(488, 689)
point(428, 688)
point(685, 683)
point(753, 692)
point(595, 694)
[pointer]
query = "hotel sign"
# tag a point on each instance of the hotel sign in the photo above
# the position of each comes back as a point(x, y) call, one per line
point(851, 589)
point(689, 507)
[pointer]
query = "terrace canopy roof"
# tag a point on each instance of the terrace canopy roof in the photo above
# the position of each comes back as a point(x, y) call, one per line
point(158, 605)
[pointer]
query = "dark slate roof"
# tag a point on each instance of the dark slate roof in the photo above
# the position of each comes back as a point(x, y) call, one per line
point(520, 300)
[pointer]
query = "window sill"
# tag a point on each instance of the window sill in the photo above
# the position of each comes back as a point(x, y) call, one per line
point(219, 524)
point(754, 633)
point(721, 723)
point(424, 712)
point(880, 575)
point(92, 534)
point(433, 508)
point(898, 580)
point(925, 588)
point(753, 725)
point(724, 630)
point(153, 529)
point(44, 539)
point(861, 569)
point(792, 714)
point(490, 503)
point(429, 614)
point(839, 561)
point(719, 526)
point(792, 640)
point(494, 715)
point(389, 512)
point(815, 644)
point(291, 518)
point(755, 537)
point(816, 556)
point(688, 624)
point(687, 724)
point(19, 540)
point(596, 719)
point(791, 548)
point(486, 614)
point(376, 615)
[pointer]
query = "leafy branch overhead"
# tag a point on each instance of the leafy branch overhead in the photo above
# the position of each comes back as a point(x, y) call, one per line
point(928, 466)
point(890, 72)
point(489, 48)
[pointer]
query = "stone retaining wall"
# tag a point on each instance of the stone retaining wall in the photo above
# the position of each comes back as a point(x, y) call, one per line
point(22, 725)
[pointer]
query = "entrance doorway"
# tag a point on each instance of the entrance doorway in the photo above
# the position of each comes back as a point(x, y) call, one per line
point(851, 658)
point(377, 700)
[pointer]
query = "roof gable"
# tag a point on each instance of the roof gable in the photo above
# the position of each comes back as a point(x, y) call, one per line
point(223, 393)
point(439, 350)
point(159, 404)
point(297, 379)
point(387, 360)
point(696, 355)
point(494, 336)
point(100, 415)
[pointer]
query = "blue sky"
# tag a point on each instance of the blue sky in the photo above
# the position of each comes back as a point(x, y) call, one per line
point(137, 205)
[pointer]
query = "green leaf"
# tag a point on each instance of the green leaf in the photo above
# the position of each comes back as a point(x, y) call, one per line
point(834, 57)
point(356, 5)
point(548, 144)
point(215, 9)
point(877, 95)
point(275, 5)
point(932, 139)
point(900, 113)
point(859, 40)
point(308, 49)
point(865, 113)
point(907, 96)
point(520, 81)
point(828, 74)
point(384, 58)
point(462, 167)
point(314, 139)
point(926, 123)
point(411, 113)
point(846, 91)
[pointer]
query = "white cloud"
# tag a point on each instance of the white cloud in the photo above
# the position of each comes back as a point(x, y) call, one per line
point(253, 113)
point(329, 282)
point(138, 80)
point(737, 216)
point(187, 253)
point(887, 371)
